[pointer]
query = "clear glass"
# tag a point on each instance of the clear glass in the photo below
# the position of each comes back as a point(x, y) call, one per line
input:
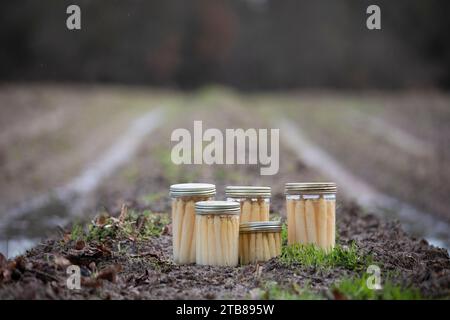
point(311, 219)
point(217, 239)
point(259, 246)
point(253, 209)
point(183, 227)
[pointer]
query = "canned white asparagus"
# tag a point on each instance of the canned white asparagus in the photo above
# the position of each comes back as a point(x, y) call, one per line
point(254, 201)
point(311, 213)
point(217, 233)
point(184, 196)
point(259, 241)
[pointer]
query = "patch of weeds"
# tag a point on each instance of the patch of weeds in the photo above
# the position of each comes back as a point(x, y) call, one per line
point(77, 232)
point(312, 256)
point(356, 288)
point(273, 291)
point(144, 225)
point(139, 226)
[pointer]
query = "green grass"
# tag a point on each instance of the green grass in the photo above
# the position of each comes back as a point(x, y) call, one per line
point(312, 256)
point(356, 289)
point(273, 291)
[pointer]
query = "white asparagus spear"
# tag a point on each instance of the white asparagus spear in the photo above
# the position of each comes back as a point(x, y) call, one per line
point(236, 240)
point(265, 210)
point(310, 221)
point(212, 257)
point(187, 232)
point(218, 239)
point(259, 247)
point(252, 247)
point(246, 211)
point(224, 239)
point(255, 215)
point(331, 224)
point(180, 215)
point(290, 208)
point(205, 238)
point(278, 243)
point(300, 222)
point(243, 237)
point(267, 254)
point(198, 240)
point(192, 248)
point(174, 228)
point(322, 225)
point(229, 244)
point(272, 244)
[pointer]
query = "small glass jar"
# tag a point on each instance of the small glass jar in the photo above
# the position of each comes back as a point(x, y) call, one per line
point(259, 241)
point(217, 233)
point(311, 213)
point(184, 196)
point(254, 201)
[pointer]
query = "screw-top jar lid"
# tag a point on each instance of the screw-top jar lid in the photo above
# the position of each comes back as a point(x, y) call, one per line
point(247, 191)
point(192, 189)
point(217, 207)
point(311, 188)
point(260, 226)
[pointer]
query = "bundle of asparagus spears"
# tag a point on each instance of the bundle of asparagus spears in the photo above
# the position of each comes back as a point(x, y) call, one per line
point(217, 233)
point(259, 241)
point(184, 196)
point(254, 201)
point(311, 211)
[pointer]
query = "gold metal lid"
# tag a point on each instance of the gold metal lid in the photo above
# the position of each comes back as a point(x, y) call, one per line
point(260, 226)
point(192, 189)
point(217, 207)
point(311, 188)
point(247, 191)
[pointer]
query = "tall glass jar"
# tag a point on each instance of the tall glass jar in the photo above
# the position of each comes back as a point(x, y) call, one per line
point(311, 213)
point(184, 196)
point(217, 233)
point(259, 241)
point(254, 201)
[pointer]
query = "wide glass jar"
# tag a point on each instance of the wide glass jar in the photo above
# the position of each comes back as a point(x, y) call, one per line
point(254, 201)
point(259, 241)
point(311, 213)
point(184, 196)
point(217, 233)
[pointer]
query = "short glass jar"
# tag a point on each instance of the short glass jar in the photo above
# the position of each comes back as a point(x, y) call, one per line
point(259, 241)
point(184, 196)
point(217, 233)
point(311, 213)
point(254, 201)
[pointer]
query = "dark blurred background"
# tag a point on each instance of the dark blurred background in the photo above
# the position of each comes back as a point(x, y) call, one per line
point(250, 45)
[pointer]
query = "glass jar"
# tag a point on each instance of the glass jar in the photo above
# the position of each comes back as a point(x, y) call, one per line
point(259, 241)
point(254, 201)
point(184, 196)
point(311, 213)
point(217, 233)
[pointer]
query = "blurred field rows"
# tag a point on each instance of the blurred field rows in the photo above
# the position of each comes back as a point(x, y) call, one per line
point(397, 143)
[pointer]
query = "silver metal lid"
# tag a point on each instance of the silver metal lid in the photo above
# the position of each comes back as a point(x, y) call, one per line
point(311, 188)
point(192, 189)
point(247, 191)
point(217, 207)
point(260, 226)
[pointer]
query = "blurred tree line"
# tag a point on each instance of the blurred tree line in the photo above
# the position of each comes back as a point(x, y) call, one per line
point(249, 44)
